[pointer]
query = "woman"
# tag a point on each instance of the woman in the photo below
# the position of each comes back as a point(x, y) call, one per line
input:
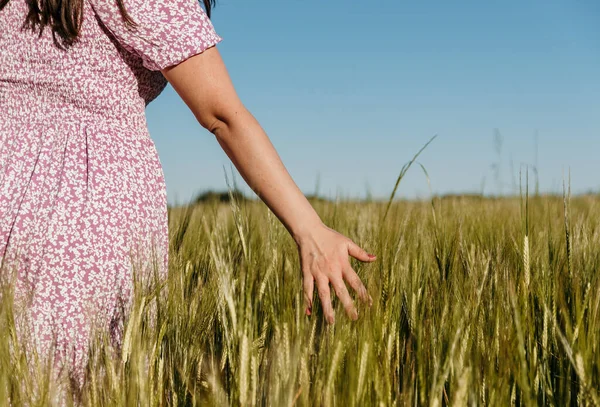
point(82, 195)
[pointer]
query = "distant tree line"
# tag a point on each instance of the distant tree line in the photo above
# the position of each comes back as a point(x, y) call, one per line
point(225, 197)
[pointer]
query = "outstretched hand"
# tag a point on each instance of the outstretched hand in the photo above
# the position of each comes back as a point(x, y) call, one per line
point(324, 260)
point(204, 85)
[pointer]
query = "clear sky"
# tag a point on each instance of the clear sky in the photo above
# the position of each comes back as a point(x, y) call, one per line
point(348, 91)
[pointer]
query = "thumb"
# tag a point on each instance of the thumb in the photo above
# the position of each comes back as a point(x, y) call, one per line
point(359, 253)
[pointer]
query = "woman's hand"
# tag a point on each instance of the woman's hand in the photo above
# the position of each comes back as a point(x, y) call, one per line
point(204, 85)
point(324, 259)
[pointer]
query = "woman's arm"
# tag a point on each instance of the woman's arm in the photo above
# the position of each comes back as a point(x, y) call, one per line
point(204, 85)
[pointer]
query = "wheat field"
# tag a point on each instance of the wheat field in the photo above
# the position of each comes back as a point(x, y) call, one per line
point(476, 301)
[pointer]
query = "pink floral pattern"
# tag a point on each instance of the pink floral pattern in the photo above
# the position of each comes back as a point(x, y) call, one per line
point(82, 194)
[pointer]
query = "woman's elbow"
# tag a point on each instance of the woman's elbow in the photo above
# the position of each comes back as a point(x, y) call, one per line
point(221, 122)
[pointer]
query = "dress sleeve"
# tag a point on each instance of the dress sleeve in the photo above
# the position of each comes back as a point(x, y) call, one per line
point(167, 31)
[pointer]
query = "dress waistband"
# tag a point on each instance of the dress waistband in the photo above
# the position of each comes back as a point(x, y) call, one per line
point(43, 105)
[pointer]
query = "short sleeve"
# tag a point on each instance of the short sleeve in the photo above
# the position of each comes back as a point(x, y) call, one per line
point(167, 32)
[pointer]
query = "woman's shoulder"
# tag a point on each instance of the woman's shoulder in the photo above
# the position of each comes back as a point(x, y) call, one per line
point(162, 32)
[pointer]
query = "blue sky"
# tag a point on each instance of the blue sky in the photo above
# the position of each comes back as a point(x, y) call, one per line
point(349, 90)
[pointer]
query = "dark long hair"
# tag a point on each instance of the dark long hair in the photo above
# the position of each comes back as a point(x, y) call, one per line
point(64, 17)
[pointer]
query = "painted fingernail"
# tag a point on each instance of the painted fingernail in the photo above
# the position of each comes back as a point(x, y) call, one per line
point(372, 256)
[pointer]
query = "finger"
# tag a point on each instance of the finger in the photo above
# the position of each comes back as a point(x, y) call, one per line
point(359, 253)
point(309, 288)
point(325, 297)
point(342, 293)
point(357, 285)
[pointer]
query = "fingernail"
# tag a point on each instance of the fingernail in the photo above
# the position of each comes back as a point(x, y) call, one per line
point(372, 256)
point(370, 300)
point(355, 315)
point(308, 312)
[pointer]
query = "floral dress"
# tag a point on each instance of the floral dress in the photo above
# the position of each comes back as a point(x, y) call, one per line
point(82, 193)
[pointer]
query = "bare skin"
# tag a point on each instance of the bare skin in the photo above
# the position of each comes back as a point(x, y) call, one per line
point(203, 83)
